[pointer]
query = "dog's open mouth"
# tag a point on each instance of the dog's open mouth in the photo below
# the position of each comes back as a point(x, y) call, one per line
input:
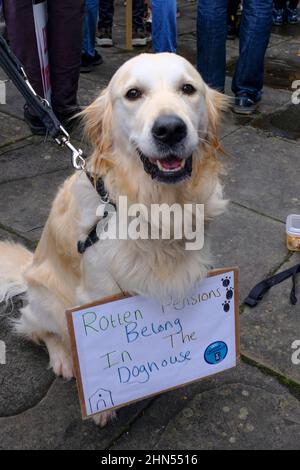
point(170, 169)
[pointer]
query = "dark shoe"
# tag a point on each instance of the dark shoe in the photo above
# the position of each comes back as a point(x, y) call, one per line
point(104, 38)
point(97, 59)
point(232, 27)
point(148, 22)
point(35, 124)
point(292, 15)
point(86, 63)
point(244, 105)
point(278, 17)
point(139, 38)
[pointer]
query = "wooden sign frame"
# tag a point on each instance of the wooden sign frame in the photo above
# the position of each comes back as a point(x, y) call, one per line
point(117, 297)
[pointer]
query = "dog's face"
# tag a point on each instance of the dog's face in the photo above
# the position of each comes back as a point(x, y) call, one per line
point(159, 107)
point(160, 111)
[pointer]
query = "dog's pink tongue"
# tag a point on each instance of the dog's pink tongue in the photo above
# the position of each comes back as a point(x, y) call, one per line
point(171, 163)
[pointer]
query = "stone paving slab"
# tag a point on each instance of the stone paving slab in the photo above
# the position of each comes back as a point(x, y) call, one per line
point(27, 202)
point(25, 378)
point(269, 329)
point(273, 100)
point(237, 239)
point(112, 61)
point(264, 173)
point(238, 409)
point(12, 129)
point(14, 237)
point(14, 101)
point(282, 64)
point(30, 158)
point(56, 423)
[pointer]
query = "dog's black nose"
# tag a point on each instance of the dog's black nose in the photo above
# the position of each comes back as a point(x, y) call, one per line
point(169, 130)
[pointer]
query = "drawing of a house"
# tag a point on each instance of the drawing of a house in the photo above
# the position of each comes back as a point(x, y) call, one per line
point(101, 400)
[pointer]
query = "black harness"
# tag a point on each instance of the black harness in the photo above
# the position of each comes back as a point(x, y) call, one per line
point(92, 238)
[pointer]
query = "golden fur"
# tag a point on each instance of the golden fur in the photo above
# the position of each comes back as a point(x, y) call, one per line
point(56, 277)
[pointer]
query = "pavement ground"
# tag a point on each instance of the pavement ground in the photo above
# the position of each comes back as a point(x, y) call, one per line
point(255, 406)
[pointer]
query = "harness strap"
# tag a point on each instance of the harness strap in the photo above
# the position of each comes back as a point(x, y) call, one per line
point(90, 241)
point(92, 237)
point(259, 291)
point(99, 186)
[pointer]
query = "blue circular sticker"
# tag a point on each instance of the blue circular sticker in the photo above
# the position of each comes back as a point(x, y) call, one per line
point(216, 352)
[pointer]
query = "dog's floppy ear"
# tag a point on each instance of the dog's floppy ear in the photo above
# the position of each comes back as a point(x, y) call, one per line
point(216, 104)
point(97, 120)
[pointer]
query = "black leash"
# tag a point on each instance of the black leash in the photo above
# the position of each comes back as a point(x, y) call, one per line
point(16, 73)
point(259, 291)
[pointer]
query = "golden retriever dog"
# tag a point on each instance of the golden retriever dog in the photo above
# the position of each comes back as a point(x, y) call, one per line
point(154, 134)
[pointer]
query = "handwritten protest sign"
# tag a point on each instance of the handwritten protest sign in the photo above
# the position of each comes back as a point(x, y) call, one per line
point(129, 348)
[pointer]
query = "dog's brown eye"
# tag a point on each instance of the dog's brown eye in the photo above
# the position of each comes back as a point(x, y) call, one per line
point(188, 89)
point(133, 94)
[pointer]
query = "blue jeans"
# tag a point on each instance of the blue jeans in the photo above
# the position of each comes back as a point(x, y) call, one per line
point(255, 33)
point(90, 26)
point(164, 37)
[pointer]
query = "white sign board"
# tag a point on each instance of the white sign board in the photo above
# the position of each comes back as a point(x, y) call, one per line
point(129, 348)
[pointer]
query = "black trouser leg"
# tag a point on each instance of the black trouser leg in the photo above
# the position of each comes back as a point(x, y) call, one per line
point(65, 26)
point(21, 34)
point(106, 14)
point(233, 7)
point(138, 11)
point(279, 4)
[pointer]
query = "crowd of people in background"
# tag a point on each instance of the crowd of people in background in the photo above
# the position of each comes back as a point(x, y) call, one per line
point(77, 27)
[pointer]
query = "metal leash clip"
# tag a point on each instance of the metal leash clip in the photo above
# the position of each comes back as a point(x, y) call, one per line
point(78, 161)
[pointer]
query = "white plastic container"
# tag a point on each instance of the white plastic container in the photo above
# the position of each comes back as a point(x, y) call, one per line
point(293, 232)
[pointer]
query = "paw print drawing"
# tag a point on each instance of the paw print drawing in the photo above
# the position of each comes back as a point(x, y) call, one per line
point(226, 306)
point(229, 293)
point(226, 281)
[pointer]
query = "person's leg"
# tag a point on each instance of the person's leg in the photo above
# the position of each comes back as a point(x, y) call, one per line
point(279, 4)
point(139, 37)
point(65, 27)
point(90, 26)
point(21, 33)
point(292, 12)
point(233, 7)
point(278, 14)
point(106, 14)
point(164, 38)
point(232, 29)
point(211, 41)
point(255, 33)
point(138, 13)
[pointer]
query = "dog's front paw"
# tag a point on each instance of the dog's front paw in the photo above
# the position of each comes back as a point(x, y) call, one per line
point(103, 418)
point(62, 366)
point(60, 357)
